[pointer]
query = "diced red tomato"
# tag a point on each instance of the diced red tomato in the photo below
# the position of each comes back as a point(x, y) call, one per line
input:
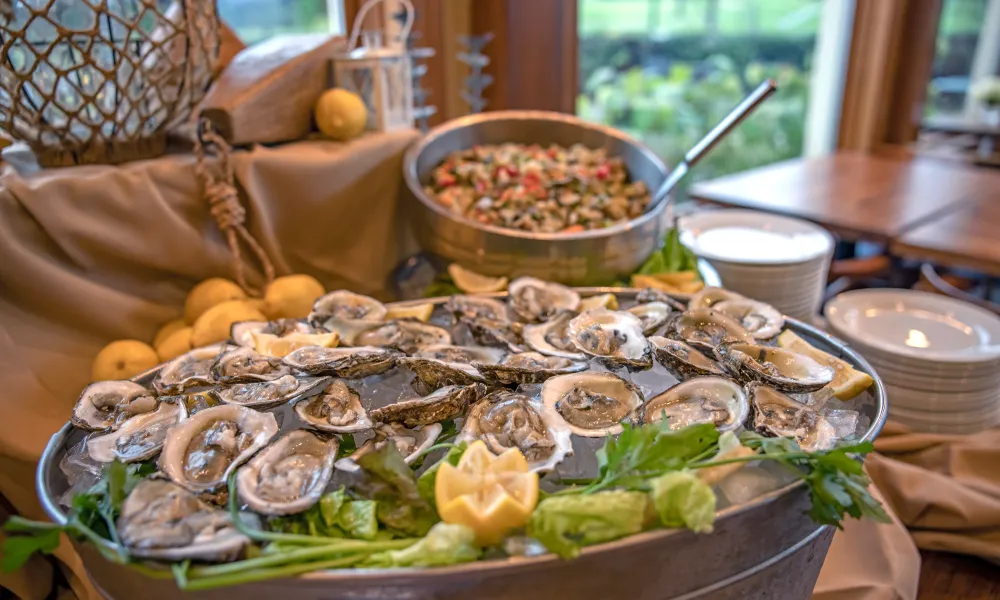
point(446, 180)
point(602, 171)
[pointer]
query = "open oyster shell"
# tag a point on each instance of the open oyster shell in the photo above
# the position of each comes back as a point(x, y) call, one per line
point(528, 367)
point(709, 296)
point(163, 521)
point(683, 360)
point(552, 337)
point(289, 475)
point(441, 365)
point(105, 405)
point(652, 315)
point(411, 443)
point(647, 295)
point(191, 369)
point(706, 329)
point(347, 313)
point(140, 437)
point(445, 403)
point(268, 394)
point(350, 363)
point(487, 320)
point(700, 400)
point(592, 404)
point(778, 415)
point(337, 408)
point(761, 320)
point(200, 452)
point(614, 337)
point(245, 365)
point(534, 300)
point(406, 336)
point(782, 369)
point(506, 419)
point(242, 332)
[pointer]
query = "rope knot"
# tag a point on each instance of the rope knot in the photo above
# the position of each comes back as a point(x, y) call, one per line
point(224, 204)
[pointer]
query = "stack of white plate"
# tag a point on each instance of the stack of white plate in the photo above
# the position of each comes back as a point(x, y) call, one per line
point(774, 259)
point(938, 357)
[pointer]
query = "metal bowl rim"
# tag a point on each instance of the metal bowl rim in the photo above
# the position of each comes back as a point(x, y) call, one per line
point(55, 513)
point(416, 187)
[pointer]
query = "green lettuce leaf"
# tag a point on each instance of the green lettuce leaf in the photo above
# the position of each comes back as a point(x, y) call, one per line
point(392, 484)
point(444, 544)
point(426, 481)
point(17, 549)
point(683, 500)
point(566, 523)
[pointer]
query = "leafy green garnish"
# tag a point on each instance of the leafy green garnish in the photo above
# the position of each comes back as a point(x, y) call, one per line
point(17, 549)
point(392, 484)
point(444, 544)
point(683, 500)
point(334, 516)
point(443, 285)
point(673, 257)
point(426, 481)
point(564, 524)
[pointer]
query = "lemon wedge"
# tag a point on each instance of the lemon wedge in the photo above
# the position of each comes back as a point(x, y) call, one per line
point(269, 344)
point(471, 282)
point(488, 493)
point(420, 312)
point(608, 301)
point(847, 382)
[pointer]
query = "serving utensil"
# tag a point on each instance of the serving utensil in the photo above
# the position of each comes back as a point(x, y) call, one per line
point(720, 131)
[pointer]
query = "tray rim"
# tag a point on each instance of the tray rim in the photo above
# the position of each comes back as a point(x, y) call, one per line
point(52, 448)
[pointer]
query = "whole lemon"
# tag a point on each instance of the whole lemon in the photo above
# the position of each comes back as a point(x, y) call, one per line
point(123, 359)
point(207, 294)
point(341, 114)
point(291, 296)
point(168, 328)
point(214, 324)
point(175, 344)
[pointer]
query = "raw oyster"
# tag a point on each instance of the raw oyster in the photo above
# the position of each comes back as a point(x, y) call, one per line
point(647, 295)
point(552, 337)
point(267, 394)
point(776, 414)
point(347, 314)
point(140, 437)
point(440, 365)
point(761, 320)
point(710, 296)
point(683, 360)
point(337, 408)
point(243, 365)
point(506, 419)
point(700, 400)
point(161, 520)
point(406, 336)
point(652, 315)
point(242, 333)
point(189, 370)
point(201, 452)
point(487, 320)
point(104, 405)
point(411, 443)
point(350, 363)
point(705, 329)
point(535, 300)
point(592, 404)
point(465, 355)
point(615, 337)
point(474, 308)
point(528, 367)
point(782, 369)
point(289, 475)
point(443, 404)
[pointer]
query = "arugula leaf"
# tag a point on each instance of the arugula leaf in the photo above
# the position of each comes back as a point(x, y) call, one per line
point(426, 481)
point(444, 544)
point(392, 483)
point(17, 549)
point(683, 500)
point(564, 524)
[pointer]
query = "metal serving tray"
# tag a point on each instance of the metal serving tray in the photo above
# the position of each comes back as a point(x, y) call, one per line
point(766, 549)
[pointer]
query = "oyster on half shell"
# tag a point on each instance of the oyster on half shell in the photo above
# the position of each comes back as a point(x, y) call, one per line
point(652, 315)
point(441, 365)
point(552, 337)
point(244, 365)
point(700, 400)
point(267, 394)
point(592, 404)
point(348, 314)
point(163, 521)
point(683, 360)
point(614, 337)
point(191, 369)
point(762, 321)
point(528, 367)
point(779, 368)
point(442, 404)
point(709, 296)
point(200, 452)
point(337, 408)
point(242, 332)
point(406, 336)
point(140, 437)
point(411, 442)
point(288, 475)
point(350, 363)
point(777, 415)
point(105, 405)
point(534, 300)
point(706, 329)
point(506, 419)
point(487, 320)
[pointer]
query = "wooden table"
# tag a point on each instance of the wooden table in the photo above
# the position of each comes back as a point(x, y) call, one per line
point(857, 196)
point(968, 236)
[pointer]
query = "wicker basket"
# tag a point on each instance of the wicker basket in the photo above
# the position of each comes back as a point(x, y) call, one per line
point(100, 81)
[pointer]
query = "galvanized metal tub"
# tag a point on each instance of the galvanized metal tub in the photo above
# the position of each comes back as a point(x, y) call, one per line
point(767, 548)
point(587, 258)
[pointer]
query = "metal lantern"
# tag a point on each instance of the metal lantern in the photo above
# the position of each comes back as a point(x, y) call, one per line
point(380, 74)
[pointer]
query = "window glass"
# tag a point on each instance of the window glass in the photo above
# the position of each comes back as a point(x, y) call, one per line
point(256, 20)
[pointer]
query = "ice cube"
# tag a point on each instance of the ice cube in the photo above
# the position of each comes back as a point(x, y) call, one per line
point(386, 388)
point(845, 422)
point(815, 399)
point(522, 545)
point(652, 382)
point(531, 390)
